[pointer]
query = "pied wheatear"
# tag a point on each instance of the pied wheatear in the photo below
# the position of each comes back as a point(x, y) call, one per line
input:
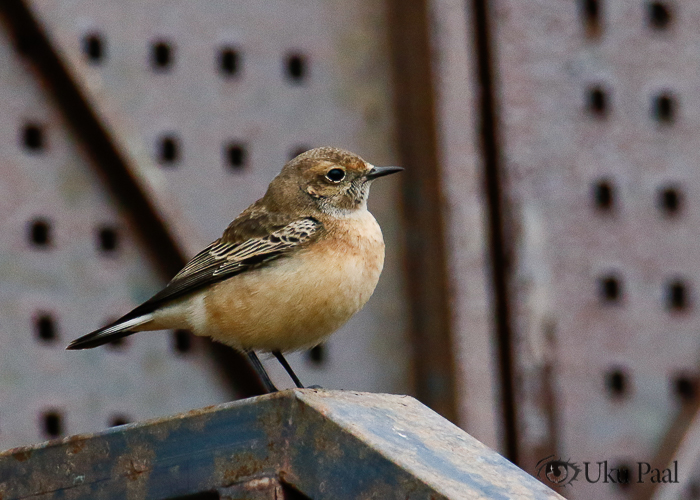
point(287, 272)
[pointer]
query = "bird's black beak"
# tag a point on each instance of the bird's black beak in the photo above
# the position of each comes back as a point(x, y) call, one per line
point(382, 171)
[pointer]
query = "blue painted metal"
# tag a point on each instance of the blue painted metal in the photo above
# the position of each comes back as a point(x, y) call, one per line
point(324, 444)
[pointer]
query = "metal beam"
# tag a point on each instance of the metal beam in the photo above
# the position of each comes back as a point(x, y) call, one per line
point(426, 262)
point(304, 443)
point(500, 251)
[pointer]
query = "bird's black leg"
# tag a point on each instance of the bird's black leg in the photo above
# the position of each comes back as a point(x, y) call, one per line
point(286, 366)
point(261, 371)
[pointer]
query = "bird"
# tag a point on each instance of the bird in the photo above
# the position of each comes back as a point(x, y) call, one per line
point(289, 271)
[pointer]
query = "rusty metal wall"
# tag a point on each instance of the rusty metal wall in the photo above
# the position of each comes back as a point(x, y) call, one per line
point(594, 120)
point(340, 96)
point(464, 205)
point(599, 115)
point(61, 277)
point(591, 128)
point(206, 101)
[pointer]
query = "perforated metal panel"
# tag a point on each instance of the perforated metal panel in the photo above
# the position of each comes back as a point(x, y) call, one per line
point(207, 101)
point(599, 115)
point(301, 79)
point(596, 111)
point(70, 263)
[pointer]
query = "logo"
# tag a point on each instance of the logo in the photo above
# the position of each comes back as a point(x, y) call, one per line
point(561, 473)
point(557, 471)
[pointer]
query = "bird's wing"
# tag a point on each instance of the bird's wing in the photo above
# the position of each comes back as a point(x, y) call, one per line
point(228, 256)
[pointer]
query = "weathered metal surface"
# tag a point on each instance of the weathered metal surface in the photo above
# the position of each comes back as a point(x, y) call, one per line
point(98, 165)
point(406, 450)
point(189, 453)
point(464, 208)
point(578, 107)
point(430, 326)
point(343, 99)
point(324, 444)
point(73, 283)
point(260, 488)
point(113, 164)
point(685, 452)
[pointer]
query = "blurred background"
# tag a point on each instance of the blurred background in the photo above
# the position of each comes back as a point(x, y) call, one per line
point(540, 281)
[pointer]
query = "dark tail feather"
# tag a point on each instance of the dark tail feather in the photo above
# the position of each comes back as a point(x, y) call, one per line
point(117, 330)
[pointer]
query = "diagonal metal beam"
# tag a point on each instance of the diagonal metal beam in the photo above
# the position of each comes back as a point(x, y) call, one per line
point(33, 42)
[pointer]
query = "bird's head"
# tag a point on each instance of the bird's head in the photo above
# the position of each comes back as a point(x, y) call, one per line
point(334, 181)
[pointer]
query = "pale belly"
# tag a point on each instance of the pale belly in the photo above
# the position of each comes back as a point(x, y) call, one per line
point(294, 302)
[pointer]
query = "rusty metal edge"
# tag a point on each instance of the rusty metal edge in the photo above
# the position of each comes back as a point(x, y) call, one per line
point(306, 438)
point(110, 460)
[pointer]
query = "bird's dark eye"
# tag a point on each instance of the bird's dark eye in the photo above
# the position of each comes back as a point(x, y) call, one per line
point(335, 175)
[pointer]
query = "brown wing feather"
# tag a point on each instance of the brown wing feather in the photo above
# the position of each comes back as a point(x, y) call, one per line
point(229, 256)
